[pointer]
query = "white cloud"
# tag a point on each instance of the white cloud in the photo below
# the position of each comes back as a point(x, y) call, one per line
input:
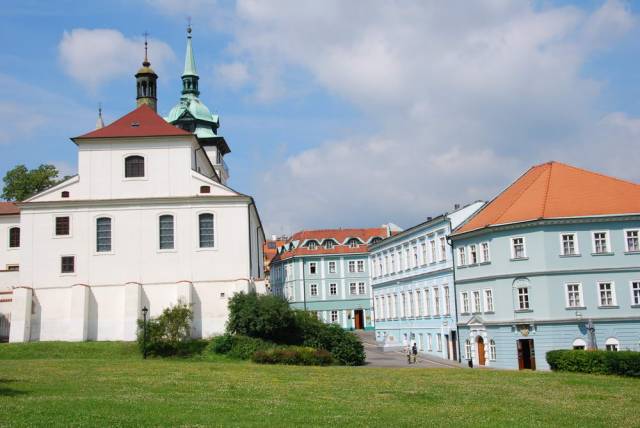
point(234, 74)
point(462, 96)
point(96, 56)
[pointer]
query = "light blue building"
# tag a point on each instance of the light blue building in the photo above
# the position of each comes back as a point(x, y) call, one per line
point(413, 288)
point(553, 262)
point(327, 272)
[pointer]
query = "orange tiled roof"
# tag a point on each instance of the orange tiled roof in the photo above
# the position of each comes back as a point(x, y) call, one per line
point(141, 122)
point(557, 190)
point(9, 208)
point(339, 235)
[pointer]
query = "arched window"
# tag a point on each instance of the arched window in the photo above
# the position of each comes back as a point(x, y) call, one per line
point(166, 232)
point(134, 166)
point(467, 349)
point(492, 350)
point(14, 237)
point(205, 223)
point(312, 245)
point(103, 234)
point(612, 344)
point(376, 240)
point(353, 243)
point(328, 244)
point(579, 344)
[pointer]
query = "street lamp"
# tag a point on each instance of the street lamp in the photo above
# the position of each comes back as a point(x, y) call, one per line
point(144, 332)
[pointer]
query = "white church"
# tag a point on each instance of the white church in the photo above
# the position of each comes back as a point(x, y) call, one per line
point(148, 221)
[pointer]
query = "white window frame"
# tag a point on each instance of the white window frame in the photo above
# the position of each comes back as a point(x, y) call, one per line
point(333, 289)
point(334, 317)
point(576, 246)
point(614, 299)
point(467, 349)
point(473, 250)
point(425, 255)
point(476, 305)
point(313, 289)
point(631, 289)
point(427, 301)
point(353, 288)
point(332, 269)
point(360, 266)
point(429, 342)
point(351, 266)
point(95, 235)
point(446, 297)
point(54, 235)
point(175, 237)
point(465, 303)
point(528, 300)
point(433, 250)
point(436, 301)
point(492, 350)
point(362, 288)
point(315, 268)
point(626, 241)
point(607, 241)
point(580, 295)
point(462, 256)
point(443, 248)
point(485, 258)
point(488, 307)
point(513, 248)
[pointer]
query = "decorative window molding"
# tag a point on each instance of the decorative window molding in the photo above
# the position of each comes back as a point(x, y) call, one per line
point(488, 300)
point(569, 244)
point(464, 300)
point(492, 350)
point(579, 344)
point(635, 292)
point(607, 294)
point(518, 248)
point(313, 289)
point(612, 344)
point(632, 240)
point(601, 242)
point(573, 295)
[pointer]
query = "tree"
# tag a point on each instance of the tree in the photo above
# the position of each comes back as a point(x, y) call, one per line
point(20, 183)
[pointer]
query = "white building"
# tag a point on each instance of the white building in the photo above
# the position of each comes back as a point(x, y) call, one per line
point(148, 221)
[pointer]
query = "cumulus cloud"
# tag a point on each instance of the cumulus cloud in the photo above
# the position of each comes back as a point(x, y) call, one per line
point(234, 74)
point(463, 97)
point(95, 56)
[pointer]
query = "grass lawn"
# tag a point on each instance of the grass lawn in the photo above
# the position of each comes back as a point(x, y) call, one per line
point(89, 384)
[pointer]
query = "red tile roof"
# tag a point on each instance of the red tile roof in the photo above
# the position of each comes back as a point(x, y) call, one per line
point(557, 190)
point(9, 208)
point(141, 122)
point(339, 235)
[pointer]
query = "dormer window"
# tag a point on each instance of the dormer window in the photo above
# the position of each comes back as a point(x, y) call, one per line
point(328, 244)
point(353, 243)
point(312, 245)
point(134, 166)
point(376, 240)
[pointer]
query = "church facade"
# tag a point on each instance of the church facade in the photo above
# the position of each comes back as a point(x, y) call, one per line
point(148, 221)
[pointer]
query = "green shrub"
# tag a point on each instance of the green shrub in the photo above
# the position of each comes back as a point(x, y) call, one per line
point(624, 363)
point(241, 347)
point(266, 317)
point(294, 355)
point(170, 333)
point(345, 347)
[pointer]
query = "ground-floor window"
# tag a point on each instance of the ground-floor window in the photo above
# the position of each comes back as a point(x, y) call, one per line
point(420, 342)
point(429, 342)
point(467, 349)
point(334, 316)
point(492, 350)
point(439, 342)
point(612, 344)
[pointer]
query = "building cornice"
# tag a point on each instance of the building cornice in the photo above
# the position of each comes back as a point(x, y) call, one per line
point(514, 322)
point(80, 203)
point(545, 273)
point(419, 276)
point(545, 222)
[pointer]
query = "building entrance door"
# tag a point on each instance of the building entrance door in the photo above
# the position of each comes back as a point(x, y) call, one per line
point(480, 347)
point(358, 320)
point(447, 344)
point(526, 354)
point(454, 345)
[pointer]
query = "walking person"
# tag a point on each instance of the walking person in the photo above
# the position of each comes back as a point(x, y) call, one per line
point(408, 352)
point(414, 352)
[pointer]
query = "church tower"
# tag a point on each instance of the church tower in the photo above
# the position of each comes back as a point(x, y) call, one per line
point(192, 115)
point(146, 83)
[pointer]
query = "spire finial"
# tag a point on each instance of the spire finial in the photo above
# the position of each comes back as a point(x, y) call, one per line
point(146, 62)
point(189, 26)
point(99, 122)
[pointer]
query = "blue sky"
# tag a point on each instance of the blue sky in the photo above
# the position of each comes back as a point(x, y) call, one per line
point(342, 113)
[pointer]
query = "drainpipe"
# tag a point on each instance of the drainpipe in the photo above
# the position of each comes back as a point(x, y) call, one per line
point(455, 291)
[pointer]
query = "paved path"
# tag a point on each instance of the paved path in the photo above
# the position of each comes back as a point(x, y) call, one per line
point(377, 358)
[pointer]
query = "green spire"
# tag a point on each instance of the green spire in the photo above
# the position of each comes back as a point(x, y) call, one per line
point(190, 75)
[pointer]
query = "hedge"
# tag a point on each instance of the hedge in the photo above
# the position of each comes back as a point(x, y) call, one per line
point(294, 355)
point(236, 346)
point(623, 363)
point(169, 334)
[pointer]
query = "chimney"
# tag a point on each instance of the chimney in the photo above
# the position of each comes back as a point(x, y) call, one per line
point(456, 207)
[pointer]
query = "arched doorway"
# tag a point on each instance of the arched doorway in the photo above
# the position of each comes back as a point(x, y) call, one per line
point(480, 348)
